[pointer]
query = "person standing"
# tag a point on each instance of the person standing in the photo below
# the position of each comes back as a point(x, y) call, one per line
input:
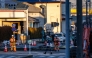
point(23, 38)
point(56, 43)
point(48, 44)
point(13, 43)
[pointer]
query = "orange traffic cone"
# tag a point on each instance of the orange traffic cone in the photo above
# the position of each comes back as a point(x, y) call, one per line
point(34, 43)
point(25, 48)
point(5, 49)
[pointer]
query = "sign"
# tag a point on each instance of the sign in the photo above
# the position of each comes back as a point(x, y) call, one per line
point(29, 41)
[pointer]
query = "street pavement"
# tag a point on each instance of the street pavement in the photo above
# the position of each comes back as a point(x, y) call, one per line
point(36, 54)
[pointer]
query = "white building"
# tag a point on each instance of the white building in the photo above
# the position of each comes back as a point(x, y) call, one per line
point(53, 12)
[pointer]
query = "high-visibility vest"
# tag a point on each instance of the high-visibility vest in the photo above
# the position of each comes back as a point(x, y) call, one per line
point(12, 40)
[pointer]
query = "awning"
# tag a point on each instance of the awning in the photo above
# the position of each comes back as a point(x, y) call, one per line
point(31, 19)
point(32, 8)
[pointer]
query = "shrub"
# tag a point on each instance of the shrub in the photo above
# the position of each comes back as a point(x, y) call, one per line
point(35, 32)
point(5, 33)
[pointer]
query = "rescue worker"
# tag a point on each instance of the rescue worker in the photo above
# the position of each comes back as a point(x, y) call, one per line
point(23, 38)
point(13, 43)
point(48, 42)
point(56, 43)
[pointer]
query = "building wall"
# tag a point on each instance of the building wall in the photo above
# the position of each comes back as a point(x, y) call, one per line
point(11, 17)
point(0, 22)
point(53, 15)
point(12, 14)
point(63, 23)
point(39, 17)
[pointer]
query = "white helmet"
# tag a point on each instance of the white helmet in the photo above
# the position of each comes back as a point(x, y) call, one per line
point(12, 35)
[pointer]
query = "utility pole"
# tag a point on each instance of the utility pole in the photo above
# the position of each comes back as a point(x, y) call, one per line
point(79, 30)
point(67, 8)
point(87, 12)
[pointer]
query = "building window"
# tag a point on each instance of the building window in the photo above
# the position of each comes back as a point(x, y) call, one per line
point(12, 6)
point(31, 24)
point(42, 10)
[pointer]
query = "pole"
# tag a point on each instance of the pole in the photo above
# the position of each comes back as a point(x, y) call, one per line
point(67, 30)
point(29, 48)
point(87, 13)
point(27, 21)
point(79, 30)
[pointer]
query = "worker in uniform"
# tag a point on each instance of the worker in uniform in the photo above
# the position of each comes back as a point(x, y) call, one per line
point(23, 38)
point(48, 43)
point(13, 43)
point(56, 43)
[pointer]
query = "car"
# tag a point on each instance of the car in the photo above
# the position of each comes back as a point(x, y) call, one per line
point(61, 36)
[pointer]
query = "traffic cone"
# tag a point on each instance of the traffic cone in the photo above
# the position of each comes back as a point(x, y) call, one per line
point(25, 48)
point(5, 49)
point(34, 43)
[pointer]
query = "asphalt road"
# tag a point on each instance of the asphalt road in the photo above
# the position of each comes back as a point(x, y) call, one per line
point(36, 54)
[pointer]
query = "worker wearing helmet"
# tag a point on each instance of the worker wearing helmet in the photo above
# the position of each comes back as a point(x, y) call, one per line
point(13, 43)
point(56, 43)
point(48, 44)
point(23, 38)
